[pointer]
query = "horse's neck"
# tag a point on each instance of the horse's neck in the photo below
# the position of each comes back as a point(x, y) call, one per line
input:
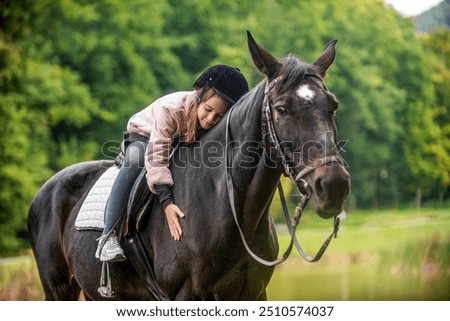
point(255, 181)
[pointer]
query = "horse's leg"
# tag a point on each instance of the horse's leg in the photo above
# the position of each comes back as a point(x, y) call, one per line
point(57, 281)
point(56, 278)
point(86, 297)
point(263, 296)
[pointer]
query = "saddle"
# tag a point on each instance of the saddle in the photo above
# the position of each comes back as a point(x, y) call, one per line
point(139, 202)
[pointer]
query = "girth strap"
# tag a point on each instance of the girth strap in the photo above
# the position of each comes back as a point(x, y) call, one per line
point(139, 258)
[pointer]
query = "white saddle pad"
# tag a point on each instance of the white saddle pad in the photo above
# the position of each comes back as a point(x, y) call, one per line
point(92, 212)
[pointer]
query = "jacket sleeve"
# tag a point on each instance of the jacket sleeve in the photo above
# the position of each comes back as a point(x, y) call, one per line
point(164, 194)
point(157, 155)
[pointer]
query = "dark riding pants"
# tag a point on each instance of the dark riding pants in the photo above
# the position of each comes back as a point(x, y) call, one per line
point(135, 147)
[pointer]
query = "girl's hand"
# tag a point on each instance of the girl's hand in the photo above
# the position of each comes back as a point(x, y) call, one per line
point(172, 213)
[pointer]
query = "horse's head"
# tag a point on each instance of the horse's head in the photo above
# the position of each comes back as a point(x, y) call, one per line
point(301, 113)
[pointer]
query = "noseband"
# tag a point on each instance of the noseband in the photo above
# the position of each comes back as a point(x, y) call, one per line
point(268, 131)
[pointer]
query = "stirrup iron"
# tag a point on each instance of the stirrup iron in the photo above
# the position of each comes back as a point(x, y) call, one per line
point(105, 288)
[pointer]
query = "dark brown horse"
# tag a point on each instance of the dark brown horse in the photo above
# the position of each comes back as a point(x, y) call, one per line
point(210, 262)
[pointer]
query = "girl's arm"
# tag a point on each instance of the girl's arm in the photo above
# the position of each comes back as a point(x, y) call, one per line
point(159, 177)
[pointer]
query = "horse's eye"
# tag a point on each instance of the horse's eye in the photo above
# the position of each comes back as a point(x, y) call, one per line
point(333, 108)
point(281, 110)
point(336, 105)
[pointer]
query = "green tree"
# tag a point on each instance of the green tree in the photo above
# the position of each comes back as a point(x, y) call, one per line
point(20, 174)
point(438, 43)
point(73, 71)
point(36, 98)
point(118, 50)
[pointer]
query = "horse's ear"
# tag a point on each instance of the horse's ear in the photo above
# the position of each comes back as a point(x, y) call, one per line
point(327, 57)
point(262, 59)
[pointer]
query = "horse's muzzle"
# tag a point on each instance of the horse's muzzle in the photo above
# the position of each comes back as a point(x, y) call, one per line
point(330, 187)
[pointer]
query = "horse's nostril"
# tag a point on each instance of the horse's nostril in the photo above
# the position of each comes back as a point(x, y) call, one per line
point(331, 187)
point(319, 188)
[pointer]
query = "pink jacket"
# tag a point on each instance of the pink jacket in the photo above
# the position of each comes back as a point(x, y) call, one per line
point(160, 121)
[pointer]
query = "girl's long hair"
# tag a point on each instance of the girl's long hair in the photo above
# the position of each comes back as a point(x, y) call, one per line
point(193, 125)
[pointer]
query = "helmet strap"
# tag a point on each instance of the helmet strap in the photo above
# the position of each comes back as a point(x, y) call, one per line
point(204, 90)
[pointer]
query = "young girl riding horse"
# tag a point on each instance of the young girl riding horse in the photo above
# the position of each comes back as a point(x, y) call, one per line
point(148, 139)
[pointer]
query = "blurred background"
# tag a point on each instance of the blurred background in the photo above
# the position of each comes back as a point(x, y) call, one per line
point(73, 71)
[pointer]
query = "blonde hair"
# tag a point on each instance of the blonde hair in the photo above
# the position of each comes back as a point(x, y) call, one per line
point(193, 124)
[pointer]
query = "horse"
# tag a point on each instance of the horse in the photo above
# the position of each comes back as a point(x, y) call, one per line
point(236, 157)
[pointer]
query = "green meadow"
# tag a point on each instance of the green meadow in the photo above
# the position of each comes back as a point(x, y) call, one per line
point(383, 255)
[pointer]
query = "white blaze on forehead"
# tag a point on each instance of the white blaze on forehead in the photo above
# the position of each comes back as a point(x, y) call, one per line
point(305, 92)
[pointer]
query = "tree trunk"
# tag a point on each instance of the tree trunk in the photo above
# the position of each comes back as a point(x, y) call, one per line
point(441, 197)
point(418, 201)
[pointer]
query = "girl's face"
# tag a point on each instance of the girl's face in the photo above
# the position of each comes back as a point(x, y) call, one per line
point(211, 111)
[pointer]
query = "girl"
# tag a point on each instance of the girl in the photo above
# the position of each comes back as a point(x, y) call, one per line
point(150, 132)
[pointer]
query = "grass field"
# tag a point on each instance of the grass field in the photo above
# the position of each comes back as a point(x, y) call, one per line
point(19, 279)
point(384, 255)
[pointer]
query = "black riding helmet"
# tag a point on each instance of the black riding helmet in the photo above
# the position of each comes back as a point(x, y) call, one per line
point(228, 81)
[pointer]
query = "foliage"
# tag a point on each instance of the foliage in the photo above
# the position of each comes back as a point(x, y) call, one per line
point(73, 71)
point(438, 42)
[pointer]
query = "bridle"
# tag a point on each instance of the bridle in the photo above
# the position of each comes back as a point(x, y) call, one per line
point(268, 130)
point(269, 136)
